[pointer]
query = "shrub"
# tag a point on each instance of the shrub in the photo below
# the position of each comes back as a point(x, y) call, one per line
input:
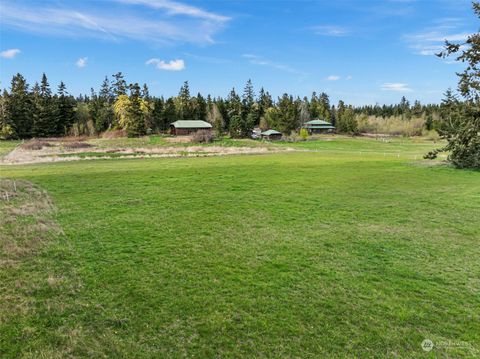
point(6, 132)
point(304, 134)
point(202, 136)
point(34, 145)
point(431, 135)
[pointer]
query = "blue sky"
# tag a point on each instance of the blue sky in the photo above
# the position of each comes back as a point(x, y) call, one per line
point(363, 52)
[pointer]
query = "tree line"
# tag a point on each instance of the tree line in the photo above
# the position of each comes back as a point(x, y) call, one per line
point(36, 111)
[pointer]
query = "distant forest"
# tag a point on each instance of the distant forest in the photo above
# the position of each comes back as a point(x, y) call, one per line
point(37, 111)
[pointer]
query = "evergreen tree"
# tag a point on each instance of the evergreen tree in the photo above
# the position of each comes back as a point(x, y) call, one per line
point(157, 115)
point(248, 95)
point(264, 101)
point(106, 92)
point(462, 131)
point(199, 108)
point(20, 108)
point(184, 103)
point(119, 86)
point(6, 125)
point(169, 113)
point(45, 124)
point(64, 111)
point(289, 114)
point(136, 117)
point(145, 92)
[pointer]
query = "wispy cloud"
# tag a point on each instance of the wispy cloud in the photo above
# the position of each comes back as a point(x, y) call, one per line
point(431, 40)
point(396, 86)
point(261, 61)
point(333, 78)
point(176, 8)
point(330, 30)
point(10, 53)
point(81, 62)
point(169, 22)
point(173, 65)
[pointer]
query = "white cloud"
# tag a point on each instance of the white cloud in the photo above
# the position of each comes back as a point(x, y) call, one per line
point(10, 53)
point(173, 65)
point(169, 22)
point(259, 60)
point(176, 8)
point(330, 30)
point(81, 62)
point(349, 77)
point(431, 40)
point(395, 86)
point(333, 78)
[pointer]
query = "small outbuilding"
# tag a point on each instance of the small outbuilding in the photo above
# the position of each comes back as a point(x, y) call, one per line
point(271, 135)
point(181, 127)
point(318, 126)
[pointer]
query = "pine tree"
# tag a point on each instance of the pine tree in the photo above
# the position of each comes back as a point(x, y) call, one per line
point(119, 86)
point(157, 115)
point(45, 124)
point(289, 114)
point(464, 137)
point(20, 108)
point(248, 97)
point(145, 92)
point(136, 117)
point(169, 113)
point(200, 108)
point(6, 125)
point(64, 114)
point(104, 116)
point(184, 104)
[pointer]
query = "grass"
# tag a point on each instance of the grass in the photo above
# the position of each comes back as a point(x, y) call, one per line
point(307, 254)
point(7, 146)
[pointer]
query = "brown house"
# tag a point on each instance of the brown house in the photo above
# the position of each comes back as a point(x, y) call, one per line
point(179, 128)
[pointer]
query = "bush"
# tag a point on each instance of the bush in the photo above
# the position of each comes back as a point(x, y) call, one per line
point(304, 134)
point(202, 136)
point(34, 145)
point(431, 135)
point(6, 132)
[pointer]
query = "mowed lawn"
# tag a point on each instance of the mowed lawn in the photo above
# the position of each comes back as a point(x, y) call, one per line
point(297, 255)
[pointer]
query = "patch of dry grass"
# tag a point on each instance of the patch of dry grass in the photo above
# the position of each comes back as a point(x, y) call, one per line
point(75, 145)
point(34, 145)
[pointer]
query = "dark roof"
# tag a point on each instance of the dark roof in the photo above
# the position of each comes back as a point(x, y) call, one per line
point(191, 124)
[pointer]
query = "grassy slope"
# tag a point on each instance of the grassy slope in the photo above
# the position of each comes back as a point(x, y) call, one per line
point(7, 146)
point(303, 254)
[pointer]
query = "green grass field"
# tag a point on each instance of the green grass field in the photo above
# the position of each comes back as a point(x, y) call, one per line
point(348, 251)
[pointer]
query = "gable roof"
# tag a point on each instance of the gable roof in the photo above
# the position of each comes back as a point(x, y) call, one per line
point(271, 132)
point(191, 124)
point(318, 122)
